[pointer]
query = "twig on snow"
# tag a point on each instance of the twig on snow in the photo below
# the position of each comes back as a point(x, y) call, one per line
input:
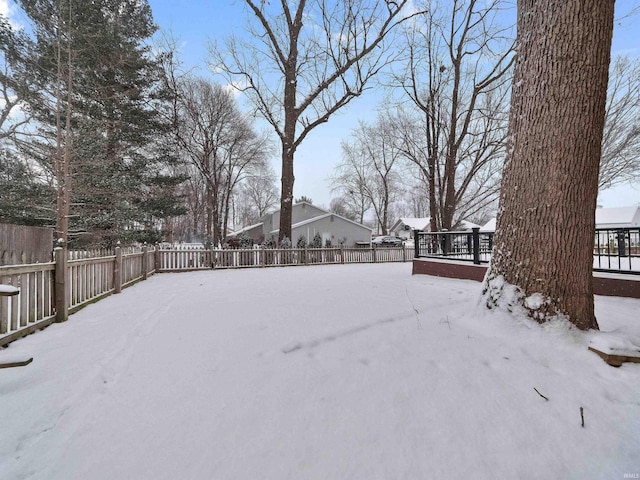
point(582, 416)
point(540, 394)
point(406, 289)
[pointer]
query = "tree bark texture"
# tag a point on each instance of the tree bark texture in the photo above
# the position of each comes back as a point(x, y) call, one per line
point(543, 251)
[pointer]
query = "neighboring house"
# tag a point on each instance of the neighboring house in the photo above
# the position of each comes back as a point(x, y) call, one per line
point(307, 220)
point(466, 225)
point(489, 227)
point(622, 217)
point(405, 226)
point(253, 231)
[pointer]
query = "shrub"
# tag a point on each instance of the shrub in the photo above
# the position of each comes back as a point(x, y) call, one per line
point(317, 241)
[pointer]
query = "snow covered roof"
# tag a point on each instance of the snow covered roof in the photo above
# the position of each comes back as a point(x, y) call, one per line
point(490, 226)
point(244, 229)
point(467, 225)
point(605, 217)
point(618, 217)
point(415, 223)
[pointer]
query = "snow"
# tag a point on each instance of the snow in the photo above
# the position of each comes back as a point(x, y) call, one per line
point(322, 372)
point(416, 223)
point(623, 341)
point(534, 301)
point(490, 226)
point(8, 289)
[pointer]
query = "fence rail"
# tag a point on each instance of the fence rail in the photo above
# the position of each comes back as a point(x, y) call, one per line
point(615, 250)
point(471, 246)
point(33, 307)
point(186, 260)
point(49, 292)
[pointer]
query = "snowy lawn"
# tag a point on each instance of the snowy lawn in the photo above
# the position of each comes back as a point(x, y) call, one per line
point(326, 372)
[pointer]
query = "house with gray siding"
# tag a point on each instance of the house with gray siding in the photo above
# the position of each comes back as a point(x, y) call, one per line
point(308, 220)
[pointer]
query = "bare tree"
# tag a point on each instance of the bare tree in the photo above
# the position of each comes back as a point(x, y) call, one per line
point(219, 142)
point(257, 194)
point(370, 168)
point(620, 160)
point(457, 75)
point(352, 193)
point(306, 61)
point(543, 251)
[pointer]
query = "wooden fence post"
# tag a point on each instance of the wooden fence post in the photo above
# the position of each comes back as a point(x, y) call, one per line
point(156, 259)
point(117, 271)
point(145, 261)
point(342, 253)
point(61, 285)
point(373, 249)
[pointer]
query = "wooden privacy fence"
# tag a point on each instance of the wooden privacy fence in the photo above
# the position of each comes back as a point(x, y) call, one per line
point(49, 292)
point(20, 244)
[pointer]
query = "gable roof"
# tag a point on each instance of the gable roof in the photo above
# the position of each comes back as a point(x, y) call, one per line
point(621, 216)
point(618, 216)
point(243, 229)
point(467, 225)
point(300, 204)
point(320, 217)
point(490, 226)
point(415, 223)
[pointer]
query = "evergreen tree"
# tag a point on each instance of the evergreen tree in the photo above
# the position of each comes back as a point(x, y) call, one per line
point(302, 242)
point(97, 72)
point(25, 199)
point(317, 241)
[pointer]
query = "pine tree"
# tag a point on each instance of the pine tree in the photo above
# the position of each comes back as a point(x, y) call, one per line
point(301, 242)
point(98, 73)
point(317, 241)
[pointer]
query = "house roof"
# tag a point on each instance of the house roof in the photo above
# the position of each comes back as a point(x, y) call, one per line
point(320, 217)
point(244, 229)
point(621, 216)
point(467, 225)
point(490, 226)
point(618, 216)
point(416, 223)
point(301, 203)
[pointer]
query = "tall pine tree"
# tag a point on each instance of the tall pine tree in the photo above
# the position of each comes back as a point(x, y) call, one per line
point(101, 117)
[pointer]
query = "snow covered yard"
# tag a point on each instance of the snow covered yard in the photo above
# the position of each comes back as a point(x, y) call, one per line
point(330, 372)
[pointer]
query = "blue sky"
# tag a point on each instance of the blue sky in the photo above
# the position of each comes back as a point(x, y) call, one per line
point(196, 22)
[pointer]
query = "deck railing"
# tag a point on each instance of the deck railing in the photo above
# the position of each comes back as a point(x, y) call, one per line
point(615, 250)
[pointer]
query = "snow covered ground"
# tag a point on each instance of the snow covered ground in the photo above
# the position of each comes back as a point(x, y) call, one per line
point(326, 372)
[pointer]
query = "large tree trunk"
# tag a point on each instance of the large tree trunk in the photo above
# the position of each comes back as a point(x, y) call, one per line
point(543, 251)
point(286, 196)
